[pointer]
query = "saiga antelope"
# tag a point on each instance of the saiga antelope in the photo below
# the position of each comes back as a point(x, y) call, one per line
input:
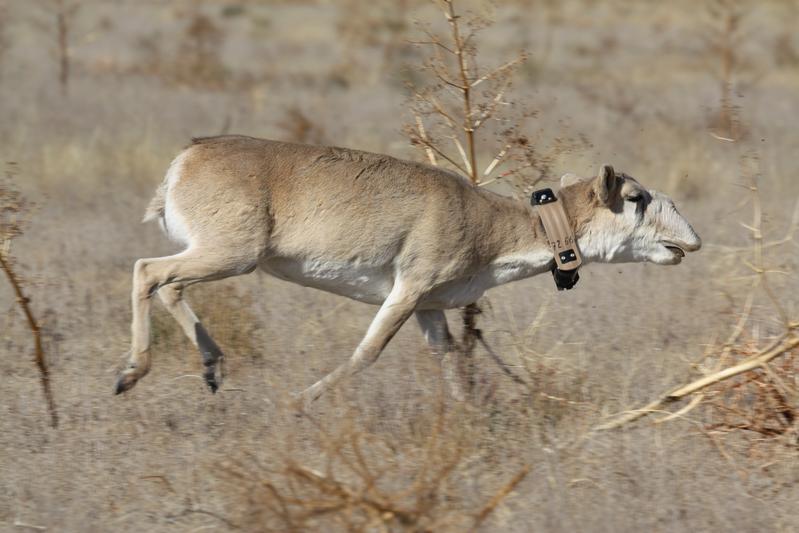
point(408, 237)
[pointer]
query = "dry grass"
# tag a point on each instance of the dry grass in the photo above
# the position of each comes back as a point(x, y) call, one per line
point(749, 384)
point(762, 401)
point(170, 456)
point(364, 482)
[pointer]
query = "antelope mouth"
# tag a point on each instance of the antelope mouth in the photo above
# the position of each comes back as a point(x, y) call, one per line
point(673, 248)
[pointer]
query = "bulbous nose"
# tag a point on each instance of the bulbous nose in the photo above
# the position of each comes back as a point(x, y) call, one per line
point(693, 244)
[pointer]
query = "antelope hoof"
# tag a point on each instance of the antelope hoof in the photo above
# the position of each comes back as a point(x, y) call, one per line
point(298, 409)
point(212, 357)
point(127, 379)
point(302, 402)
point(213, 376)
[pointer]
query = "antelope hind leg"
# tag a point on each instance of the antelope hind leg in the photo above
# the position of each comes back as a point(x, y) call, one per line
point(433, 324)
point(212, 356)
point(150, 275)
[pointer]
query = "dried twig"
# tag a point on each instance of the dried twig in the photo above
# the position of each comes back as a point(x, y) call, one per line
point(685, 390)
point(10, 207)
point(58, 21)
point(727, 373)
point(431, 156)
point(368, 484)
point(33, 325)
point(723, 38)
point(492, 504)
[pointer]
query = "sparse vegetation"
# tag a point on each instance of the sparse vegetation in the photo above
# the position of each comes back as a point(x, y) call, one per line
point(198, 54)
point(749, 384)
point(56, 23)
point(463, 111)
point(195, 60)
point(724, 40)
point(358, 486)
point(638, 85)
point(13, 209)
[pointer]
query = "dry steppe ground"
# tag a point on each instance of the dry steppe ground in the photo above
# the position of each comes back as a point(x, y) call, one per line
point(639, 83)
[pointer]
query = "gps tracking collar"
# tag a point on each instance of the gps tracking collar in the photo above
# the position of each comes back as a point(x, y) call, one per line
point(560, 238)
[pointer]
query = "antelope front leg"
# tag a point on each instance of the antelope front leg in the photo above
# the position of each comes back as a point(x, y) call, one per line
point(392, 314)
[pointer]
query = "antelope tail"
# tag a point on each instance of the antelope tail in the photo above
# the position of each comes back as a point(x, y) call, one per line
point(155, 209)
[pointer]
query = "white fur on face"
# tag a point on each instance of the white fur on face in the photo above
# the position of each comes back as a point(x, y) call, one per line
point(639, 232)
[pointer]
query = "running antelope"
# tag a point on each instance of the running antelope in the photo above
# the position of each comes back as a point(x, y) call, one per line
point(408, 237)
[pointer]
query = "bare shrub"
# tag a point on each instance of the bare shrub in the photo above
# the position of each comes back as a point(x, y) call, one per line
point(13, 210)
point(198, 62)
point(367, 483)
point(723, 38)
point(763, 401)
point(60, 15)
point(464, 112)
point(749, 383)
point(195, 61)
point(761, 398)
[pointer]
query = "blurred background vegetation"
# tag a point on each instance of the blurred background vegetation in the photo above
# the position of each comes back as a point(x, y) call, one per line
point(696, 98)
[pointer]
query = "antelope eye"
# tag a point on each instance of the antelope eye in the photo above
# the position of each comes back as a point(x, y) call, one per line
point(634, 198)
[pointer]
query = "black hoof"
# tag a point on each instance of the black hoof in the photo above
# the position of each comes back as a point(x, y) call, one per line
point(212, 357)
point(125, 382)
point(213, 374)
point(210, 379)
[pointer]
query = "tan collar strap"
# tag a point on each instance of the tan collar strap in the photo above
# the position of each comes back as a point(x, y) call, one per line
point(560, 238)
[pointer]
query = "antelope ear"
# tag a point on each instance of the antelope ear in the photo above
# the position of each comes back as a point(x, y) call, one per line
point(569, 179)
point(607, 184)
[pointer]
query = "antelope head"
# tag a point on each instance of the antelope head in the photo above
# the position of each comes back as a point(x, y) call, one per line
point(617, 220)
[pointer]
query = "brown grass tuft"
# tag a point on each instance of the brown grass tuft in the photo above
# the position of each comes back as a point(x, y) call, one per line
point(363, 482)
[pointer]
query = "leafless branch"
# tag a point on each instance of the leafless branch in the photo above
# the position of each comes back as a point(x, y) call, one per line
point(10, 207)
